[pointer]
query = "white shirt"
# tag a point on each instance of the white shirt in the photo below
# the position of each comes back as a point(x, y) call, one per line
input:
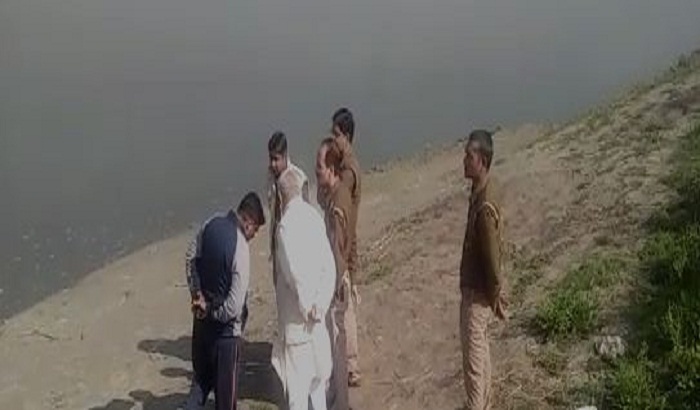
point(273, 197)
point(306, 279)
point(306, 268)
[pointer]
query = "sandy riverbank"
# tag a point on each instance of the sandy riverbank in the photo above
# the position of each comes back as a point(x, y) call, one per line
point(121, 336)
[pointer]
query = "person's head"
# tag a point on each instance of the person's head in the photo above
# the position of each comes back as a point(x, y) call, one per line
point(290, 186)
point(277, 151)
point(328, 163)
point(343, 124)
point(250, 215)
point(478, 154)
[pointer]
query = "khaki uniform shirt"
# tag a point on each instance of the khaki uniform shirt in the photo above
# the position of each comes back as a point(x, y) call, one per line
point(480, 268)
point(338, 207)
point(350, 176)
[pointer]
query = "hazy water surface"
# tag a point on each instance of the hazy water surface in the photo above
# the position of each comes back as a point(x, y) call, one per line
point(123, 121)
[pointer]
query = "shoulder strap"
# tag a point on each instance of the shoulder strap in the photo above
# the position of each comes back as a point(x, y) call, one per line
point(340, 213)
point(356, 182)
point(492, 208)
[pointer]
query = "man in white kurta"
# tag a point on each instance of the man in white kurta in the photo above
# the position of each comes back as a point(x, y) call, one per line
point(302, 353)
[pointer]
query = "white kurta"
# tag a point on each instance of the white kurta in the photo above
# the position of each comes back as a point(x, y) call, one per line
point(302, 354)
point(273, 196)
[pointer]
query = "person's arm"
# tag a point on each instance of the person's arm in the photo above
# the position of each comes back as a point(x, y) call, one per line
point(340, 243)
point(305, 191)
point(235, 299)
point(321, 197)
point(271, 203)
point(352, 251)
point(294, 262)
point(349, 180)
point(193, 252)
point(326, 285)
point(487, 231)
point(244, 314)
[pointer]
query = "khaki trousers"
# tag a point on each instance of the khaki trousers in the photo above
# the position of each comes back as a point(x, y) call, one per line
point(476, 360)
point(337, 396)
point(351, 334)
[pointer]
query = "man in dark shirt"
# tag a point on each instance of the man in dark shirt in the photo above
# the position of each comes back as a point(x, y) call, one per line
point(481, 281)
point(218, 275)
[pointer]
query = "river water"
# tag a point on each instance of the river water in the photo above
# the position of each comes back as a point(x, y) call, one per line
point(123, 122)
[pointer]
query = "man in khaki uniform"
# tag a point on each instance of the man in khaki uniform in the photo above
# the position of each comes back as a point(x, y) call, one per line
point(337, 206)
point(350, 175)
point(481, 280)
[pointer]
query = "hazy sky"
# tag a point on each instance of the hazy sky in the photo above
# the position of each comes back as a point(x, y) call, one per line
point(122, 120)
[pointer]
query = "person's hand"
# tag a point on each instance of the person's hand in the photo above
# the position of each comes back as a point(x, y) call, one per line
point(199, 306)
point(313, 315)
point(343, 291)
point(500, 308)
point(355, 294)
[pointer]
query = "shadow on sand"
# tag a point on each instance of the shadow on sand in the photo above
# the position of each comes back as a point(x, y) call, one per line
point(147, 400)
point(258, 381)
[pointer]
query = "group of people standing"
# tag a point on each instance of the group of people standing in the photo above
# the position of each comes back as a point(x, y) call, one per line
point(314, 260)
point(306, 249)
point(314, 263)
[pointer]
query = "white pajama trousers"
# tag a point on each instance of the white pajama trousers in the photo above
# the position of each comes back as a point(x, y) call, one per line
point(302, 379)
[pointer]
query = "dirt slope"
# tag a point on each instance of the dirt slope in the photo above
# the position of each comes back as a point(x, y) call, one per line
point(585, 187)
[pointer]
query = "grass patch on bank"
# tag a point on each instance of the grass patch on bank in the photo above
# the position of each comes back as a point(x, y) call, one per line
point(662, 368)
point(572, 308)
point(632, 385)
point(378, 272)
point(566, 314)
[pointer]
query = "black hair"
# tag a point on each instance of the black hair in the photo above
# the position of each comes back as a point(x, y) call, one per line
point(343, 119)
point(252, 206)
point(484, 141)
point(277, 143)
point(341, 111)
